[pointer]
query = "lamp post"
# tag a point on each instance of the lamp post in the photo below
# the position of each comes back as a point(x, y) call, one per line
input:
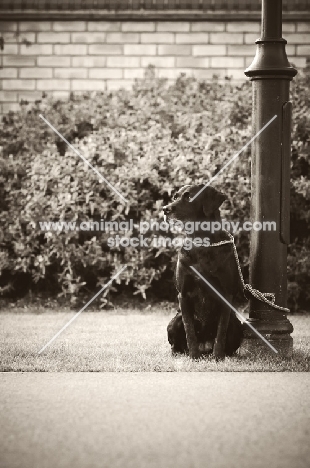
point(270, 73)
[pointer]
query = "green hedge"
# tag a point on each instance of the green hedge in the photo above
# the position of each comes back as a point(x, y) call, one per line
point(147, 142)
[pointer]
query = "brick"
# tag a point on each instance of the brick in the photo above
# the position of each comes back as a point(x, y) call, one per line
point(89, 62)
point(193, 62)
point(36, 73)
point(64, 73)
point(9, 37)
point(13, 38)
point(35, 26)
point(303, 27)
point(138, 26)
point(133, 73)
point(299, 62)
point(10, 49)
point(241, 49)
point(53, 37)
point(250, 38)
point(123, 38)
point(36, 49)
point(105, 49)
point(88, 37)
point(161, 62)
point(123, 62)
point(243, 26)
point(69, 26)
point(236, 74)
point(46, 85)
point(8, 26)
point(87, 85)
point(209, 50)
point(227, 62)
point(140, 49)
point(30, 96)
point(174, 50)
point(288, 27)
point(104, 26)
point(18, 60)
point(53, 61)
point(8, 72)
point(61, 94)
point(172, 76)
point(226, 38)
point(7, 96)
point(12, 106)
point(70, 49)
point(303, 50)
point(157, 38)
point(118, 84)
point(209, 73)
point(298, 38)
point(105, 73)
point(18, 84)
point(171, 73)
point(27, 36)
point(207, 26)
point(173, 26)
point(192, 38)
point(290, 49)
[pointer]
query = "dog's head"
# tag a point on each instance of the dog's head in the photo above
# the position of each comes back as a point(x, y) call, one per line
point(204, 206)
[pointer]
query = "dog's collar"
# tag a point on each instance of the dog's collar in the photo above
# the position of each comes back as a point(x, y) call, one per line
point(216, 244)
point(230, 241)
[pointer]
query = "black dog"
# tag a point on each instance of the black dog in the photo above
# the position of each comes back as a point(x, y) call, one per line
point(205, 323)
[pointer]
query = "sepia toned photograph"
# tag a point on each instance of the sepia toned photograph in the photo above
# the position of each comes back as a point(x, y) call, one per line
point(155, 233)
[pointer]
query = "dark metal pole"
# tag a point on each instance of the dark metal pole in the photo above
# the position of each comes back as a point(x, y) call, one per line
point(270, 73)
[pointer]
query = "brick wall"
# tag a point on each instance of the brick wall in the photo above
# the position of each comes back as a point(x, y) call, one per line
point(63, 56)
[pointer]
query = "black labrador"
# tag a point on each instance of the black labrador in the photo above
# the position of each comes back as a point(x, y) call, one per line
point(204, 323)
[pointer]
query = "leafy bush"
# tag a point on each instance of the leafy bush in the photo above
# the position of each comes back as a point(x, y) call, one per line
point(147, 142)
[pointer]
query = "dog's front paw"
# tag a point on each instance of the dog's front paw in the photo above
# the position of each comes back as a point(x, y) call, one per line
point(218, 352)
point(195, 353)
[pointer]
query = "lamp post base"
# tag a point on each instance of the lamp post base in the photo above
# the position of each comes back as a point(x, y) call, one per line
point(277, 333)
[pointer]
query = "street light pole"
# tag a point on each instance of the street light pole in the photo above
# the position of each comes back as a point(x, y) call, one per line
point(270, 73)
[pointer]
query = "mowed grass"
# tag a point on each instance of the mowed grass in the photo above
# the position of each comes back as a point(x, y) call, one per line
point(126, 341)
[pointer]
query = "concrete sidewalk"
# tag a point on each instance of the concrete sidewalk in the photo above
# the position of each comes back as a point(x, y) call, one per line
point(162, 420)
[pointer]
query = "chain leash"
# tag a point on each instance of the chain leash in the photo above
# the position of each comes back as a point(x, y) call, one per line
point(268, 298)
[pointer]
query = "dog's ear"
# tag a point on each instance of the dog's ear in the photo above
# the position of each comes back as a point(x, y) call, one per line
point(212, 200)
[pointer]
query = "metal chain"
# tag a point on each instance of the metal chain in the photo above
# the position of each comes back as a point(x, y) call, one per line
point(263, 297)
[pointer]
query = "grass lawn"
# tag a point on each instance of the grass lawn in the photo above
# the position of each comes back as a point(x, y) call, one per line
point(126, 341)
